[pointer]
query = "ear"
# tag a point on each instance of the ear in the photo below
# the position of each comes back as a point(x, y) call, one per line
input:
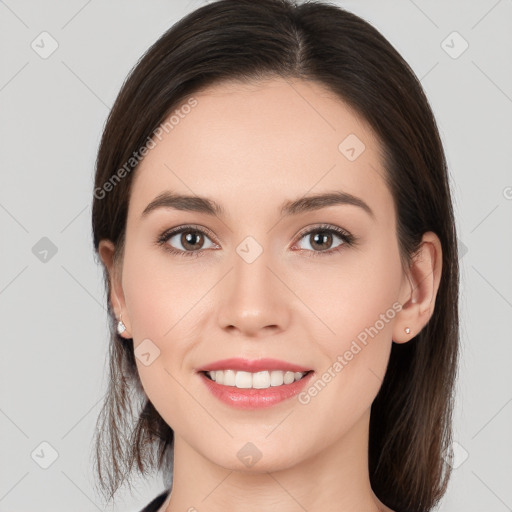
point(419, 290)
point(106, 250)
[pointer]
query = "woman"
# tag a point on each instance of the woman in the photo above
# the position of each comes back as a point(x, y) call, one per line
point(273, 215)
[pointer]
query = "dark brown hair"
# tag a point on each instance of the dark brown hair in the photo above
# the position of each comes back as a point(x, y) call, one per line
point(411, 417)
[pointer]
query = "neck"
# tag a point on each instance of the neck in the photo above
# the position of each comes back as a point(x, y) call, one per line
point(335, 479)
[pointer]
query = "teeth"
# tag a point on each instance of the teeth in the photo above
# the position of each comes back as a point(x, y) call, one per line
point(258, 380)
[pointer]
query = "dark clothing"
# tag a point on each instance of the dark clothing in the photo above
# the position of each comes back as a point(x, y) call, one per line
point(157, 502)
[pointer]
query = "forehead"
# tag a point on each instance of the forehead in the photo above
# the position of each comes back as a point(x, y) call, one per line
point(263, 142)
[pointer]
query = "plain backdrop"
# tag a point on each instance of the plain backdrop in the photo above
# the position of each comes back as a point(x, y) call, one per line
point(52, 303)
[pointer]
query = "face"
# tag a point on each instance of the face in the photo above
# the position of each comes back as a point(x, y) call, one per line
point(316, 286)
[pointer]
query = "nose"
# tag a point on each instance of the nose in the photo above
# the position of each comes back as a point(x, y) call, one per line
point(253, 301)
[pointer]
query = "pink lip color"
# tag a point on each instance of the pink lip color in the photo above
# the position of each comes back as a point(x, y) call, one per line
point(255, 398)
point(258, 365)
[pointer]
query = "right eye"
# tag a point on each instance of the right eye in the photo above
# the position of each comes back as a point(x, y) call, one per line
point(190, 238)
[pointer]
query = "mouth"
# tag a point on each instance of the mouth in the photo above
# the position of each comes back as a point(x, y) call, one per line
point(253, 384)
point(255, 390)
point(254, 380)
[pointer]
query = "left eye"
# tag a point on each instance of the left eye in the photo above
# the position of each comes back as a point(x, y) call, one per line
point(318, 238)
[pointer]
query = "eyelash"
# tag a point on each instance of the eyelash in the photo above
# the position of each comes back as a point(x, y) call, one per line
point(348, 240)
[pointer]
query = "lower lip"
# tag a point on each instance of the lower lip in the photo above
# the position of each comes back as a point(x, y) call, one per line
point(255, 398)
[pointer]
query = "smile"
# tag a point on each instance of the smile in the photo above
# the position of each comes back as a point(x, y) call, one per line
point(258, 380)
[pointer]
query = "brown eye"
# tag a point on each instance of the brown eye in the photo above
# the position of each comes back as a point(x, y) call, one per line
point(186, 241)
point(191, 240)
point(322, 239)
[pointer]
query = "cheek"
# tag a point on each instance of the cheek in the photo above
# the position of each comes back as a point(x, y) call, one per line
point(161, 298)
point(359, 306)
point(160, 293)
point(164, 302)
point(351, 296)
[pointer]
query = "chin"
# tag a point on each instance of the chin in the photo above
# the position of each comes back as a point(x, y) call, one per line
point(253, 457)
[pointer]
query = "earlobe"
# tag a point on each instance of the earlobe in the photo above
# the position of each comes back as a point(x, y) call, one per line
point(106, 250)
point(419, 289)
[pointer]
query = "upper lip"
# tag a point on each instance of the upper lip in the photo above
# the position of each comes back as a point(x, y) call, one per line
point(256, 365)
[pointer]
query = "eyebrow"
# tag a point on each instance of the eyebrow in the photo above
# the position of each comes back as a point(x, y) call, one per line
point(207, 206)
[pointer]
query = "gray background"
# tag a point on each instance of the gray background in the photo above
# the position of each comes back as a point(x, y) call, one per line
point(53, 318)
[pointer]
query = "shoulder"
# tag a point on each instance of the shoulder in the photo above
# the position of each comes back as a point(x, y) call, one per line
point(156, 503)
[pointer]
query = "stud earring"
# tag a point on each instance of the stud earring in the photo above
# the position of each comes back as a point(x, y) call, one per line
point(121, 327)
point(407, 330)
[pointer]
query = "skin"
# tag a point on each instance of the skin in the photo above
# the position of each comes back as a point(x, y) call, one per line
point(251, 147)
